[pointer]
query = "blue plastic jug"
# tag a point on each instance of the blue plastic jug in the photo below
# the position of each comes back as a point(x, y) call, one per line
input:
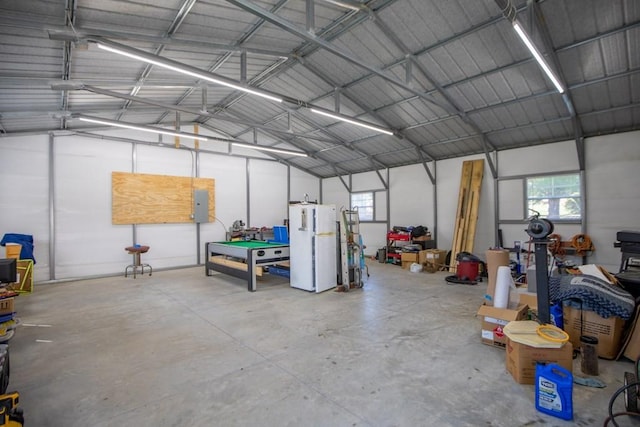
point(554, 391)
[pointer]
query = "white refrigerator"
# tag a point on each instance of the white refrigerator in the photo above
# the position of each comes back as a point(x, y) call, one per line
point(312, 247)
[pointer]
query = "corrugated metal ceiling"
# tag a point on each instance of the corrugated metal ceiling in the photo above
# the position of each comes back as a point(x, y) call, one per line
point(450, 78)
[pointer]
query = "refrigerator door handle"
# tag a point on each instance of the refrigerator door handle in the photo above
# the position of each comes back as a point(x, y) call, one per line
point(303, 220)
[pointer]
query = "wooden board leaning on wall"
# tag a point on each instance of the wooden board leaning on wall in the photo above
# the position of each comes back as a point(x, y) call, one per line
point(467, 211)
point(156, 199)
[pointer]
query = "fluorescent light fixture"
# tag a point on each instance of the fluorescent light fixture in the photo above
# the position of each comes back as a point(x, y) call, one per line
point(352, 121)
point(270, 149)
point(140, 127)
point(543, 64)
point(189, 71)
point(152, 129)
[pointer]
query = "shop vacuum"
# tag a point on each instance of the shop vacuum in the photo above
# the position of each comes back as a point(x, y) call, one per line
point(469, 270)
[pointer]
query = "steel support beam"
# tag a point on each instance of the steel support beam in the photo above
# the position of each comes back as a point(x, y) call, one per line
point(384, 184)
point(311, 16)
point(52, 208)
point(347, 56)
point(171, 107)
point(566, 96)
point(492, 71)
point(347, 186)
point(61, 33)
point(452, 105)
point(175, 24)
point(329, 81)
point(67, 51)
point(315, 155)
point(432, 177)
point(243, 67)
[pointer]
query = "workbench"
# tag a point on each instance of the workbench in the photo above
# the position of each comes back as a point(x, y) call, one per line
point(244, 258)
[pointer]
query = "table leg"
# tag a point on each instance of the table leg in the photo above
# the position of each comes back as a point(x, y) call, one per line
point(251, 264)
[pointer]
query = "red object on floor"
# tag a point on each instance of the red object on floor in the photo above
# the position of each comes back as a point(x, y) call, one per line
point(468, 270)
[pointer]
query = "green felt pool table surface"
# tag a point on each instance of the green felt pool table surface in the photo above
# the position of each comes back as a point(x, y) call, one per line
point(252, 244)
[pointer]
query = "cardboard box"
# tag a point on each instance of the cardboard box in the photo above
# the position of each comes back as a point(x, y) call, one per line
point(6, 306)
point(494, 319)
point(529, 298)
point(608, 331)
point(25, 277)
point(434, 259)
point(631, 347)
point(13, 250)
point(521, 359)
point(409, 258)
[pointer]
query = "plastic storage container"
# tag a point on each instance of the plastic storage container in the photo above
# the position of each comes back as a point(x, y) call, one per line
point(280, 234)
point(557, 317)
point(554, 391)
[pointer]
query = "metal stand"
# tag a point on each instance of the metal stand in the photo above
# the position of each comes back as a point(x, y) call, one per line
point(136, 251)
point(542, 280)
point(539, 230)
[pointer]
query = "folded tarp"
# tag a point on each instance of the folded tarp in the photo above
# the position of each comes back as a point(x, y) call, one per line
point(26, 240)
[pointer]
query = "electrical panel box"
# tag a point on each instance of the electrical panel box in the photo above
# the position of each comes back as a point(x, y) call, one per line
point(201, 206)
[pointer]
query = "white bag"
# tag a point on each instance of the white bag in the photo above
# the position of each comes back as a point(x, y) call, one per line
point(415, 267)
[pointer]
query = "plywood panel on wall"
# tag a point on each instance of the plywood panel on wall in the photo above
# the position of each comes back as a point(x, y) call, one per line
point(156, 199)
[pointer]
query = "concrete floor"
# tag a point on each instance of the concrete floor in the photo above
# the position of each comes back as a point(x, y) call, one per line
point(182, 349)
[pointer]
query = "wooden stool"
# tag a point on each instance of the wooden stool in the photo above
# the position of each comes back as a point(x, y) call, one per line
point(136, 250)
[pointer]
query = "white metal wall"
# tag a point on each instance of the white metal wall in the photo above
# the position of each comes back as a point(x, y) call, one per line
point(411, 197)
point(171, 244)
point(373, 234)
point(335, 193)
point(87, 244)
point(24, 200)
point(231, 194)
point(302, 183)
point(268, 188)
point(613, 186)
point(548, 158)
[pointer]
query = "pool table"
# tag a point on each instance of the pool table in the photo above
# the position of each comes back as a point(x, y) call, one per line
point(241, 257)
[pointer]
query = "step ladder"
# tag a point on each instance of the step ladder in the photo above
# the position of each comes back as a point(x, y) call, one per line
point(351, 251)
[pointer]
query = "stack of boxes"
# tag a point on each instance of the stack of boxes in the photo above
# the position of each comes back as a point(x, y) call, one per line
point(430, 259)
point(7, 300)
point(521, 358)
point(434, 260)
point(7, 316)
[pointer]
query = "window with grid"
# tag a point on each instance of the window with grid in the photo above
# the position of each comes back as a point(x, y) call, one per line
point(555, 196)
point(364, 203)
